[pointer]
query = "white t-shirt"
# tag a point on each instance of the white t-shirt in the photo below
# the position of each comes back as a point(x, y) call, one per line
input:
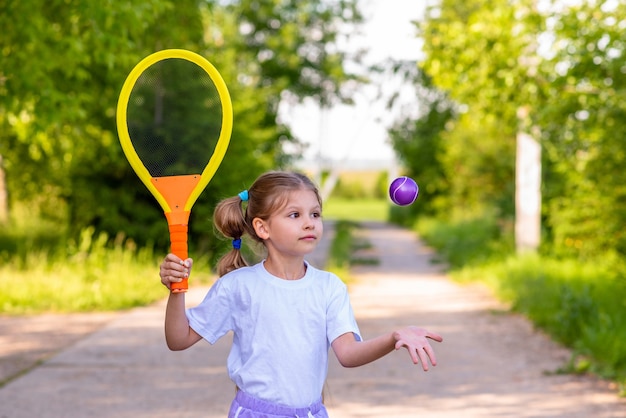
point(282, 330)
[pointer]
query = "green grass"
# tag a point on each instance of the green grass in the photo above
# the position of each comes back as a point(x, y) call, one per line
point(89, 275)
point(348, 213)
point(356, 209)
point(466, 241)
point(343, 248)
point(581, 305)
point(42, 271)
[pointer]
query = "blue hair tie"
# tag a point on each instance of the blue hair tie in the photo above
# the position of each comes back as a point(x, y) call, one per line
point(237, 243)
point(244, 196)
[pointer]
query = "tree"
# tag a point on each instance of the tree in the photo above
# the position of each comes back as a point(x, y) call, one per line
point(478, 54)
point(564, 63)
point(584, 128)
point(64, 63)
point(58, 86)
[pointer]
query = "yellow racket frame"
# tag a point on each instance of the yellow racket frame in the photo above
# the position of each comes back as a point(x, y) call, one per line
point(222, 143)
point(175, 194)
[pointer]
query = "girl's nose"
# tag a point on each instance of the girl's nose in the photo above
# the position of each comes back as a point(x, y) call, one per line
point(309, 223)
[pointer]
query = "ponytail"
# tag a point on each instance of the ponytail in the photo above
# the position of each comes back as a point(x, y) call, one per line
point(229, 219)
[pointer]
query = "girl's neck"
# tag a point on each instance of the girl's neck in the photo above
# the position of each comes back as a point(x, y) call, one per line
point(286, 269)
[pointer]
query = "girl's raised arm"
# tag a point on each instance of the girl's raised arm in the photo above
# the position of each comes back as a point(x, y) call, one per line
point(178, 334)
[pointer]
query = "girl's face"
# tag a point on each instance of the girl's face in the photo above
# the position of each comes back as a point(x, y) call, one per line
point(294, 229)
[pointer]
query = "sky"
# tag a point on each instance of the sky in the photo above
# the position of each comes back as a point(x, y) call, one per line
point(357, 133)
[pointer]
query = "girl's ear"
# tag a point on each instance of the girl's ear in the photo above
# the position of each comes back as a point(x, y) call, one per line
point(261, 229)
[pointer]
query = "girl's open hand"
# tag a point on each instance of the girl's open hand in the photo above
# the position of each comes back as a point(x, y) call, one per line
point(416, 342)
point(174, 270)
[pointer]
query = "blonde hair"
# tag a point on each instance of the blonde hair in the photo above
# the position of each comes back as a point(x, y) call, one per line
point(267, 194)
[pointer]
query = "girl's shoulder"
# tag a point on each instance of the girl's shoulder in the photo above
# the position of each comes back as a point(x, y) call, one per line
point(237, 280)
point(242, 273)
point(319, 272)
point(325, 276)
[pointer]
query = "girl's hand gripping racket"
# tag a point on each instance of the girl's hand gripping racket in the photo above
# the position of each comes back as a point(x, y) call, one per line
point(174, 121)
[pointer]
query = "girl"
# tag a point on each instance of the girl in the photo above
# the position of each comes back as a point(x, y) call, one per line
point(284, 313)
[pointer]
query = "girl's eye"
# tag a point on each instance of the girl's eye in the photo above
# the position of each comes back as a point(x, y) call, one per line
point(294, 215)
point(317, 215)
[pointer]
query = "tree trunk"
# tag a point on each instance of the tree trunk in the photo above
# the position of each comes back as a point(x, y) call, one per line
point(527, 189)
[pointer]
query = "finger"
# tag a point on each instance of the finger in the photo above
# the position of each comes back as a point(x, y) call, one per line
point(175, 279)
point(173, 258)
point(431, 354)
point(176, 265)
point(174, 269)
point(172, 276)
point(423, 358)
point(412, 351)
point(435, 337)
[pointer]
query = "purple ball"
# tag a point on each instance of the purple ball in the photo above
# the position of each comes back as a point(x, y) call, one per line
point(403, 191)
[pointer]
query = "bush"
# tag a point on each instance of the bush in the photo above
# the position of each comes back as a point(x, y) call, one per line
point(579, 304)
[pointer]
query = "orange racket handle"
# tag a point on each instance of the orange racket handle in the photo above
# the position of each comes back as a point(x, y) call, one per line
point(178, 241)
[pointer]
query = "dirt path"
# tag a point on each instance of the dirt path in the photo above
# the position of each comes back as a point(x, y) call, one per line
point(491, 363)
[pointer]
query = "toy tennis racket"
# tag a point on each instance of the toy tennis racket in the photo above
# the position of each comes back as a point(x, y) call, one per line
point(174, 121)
